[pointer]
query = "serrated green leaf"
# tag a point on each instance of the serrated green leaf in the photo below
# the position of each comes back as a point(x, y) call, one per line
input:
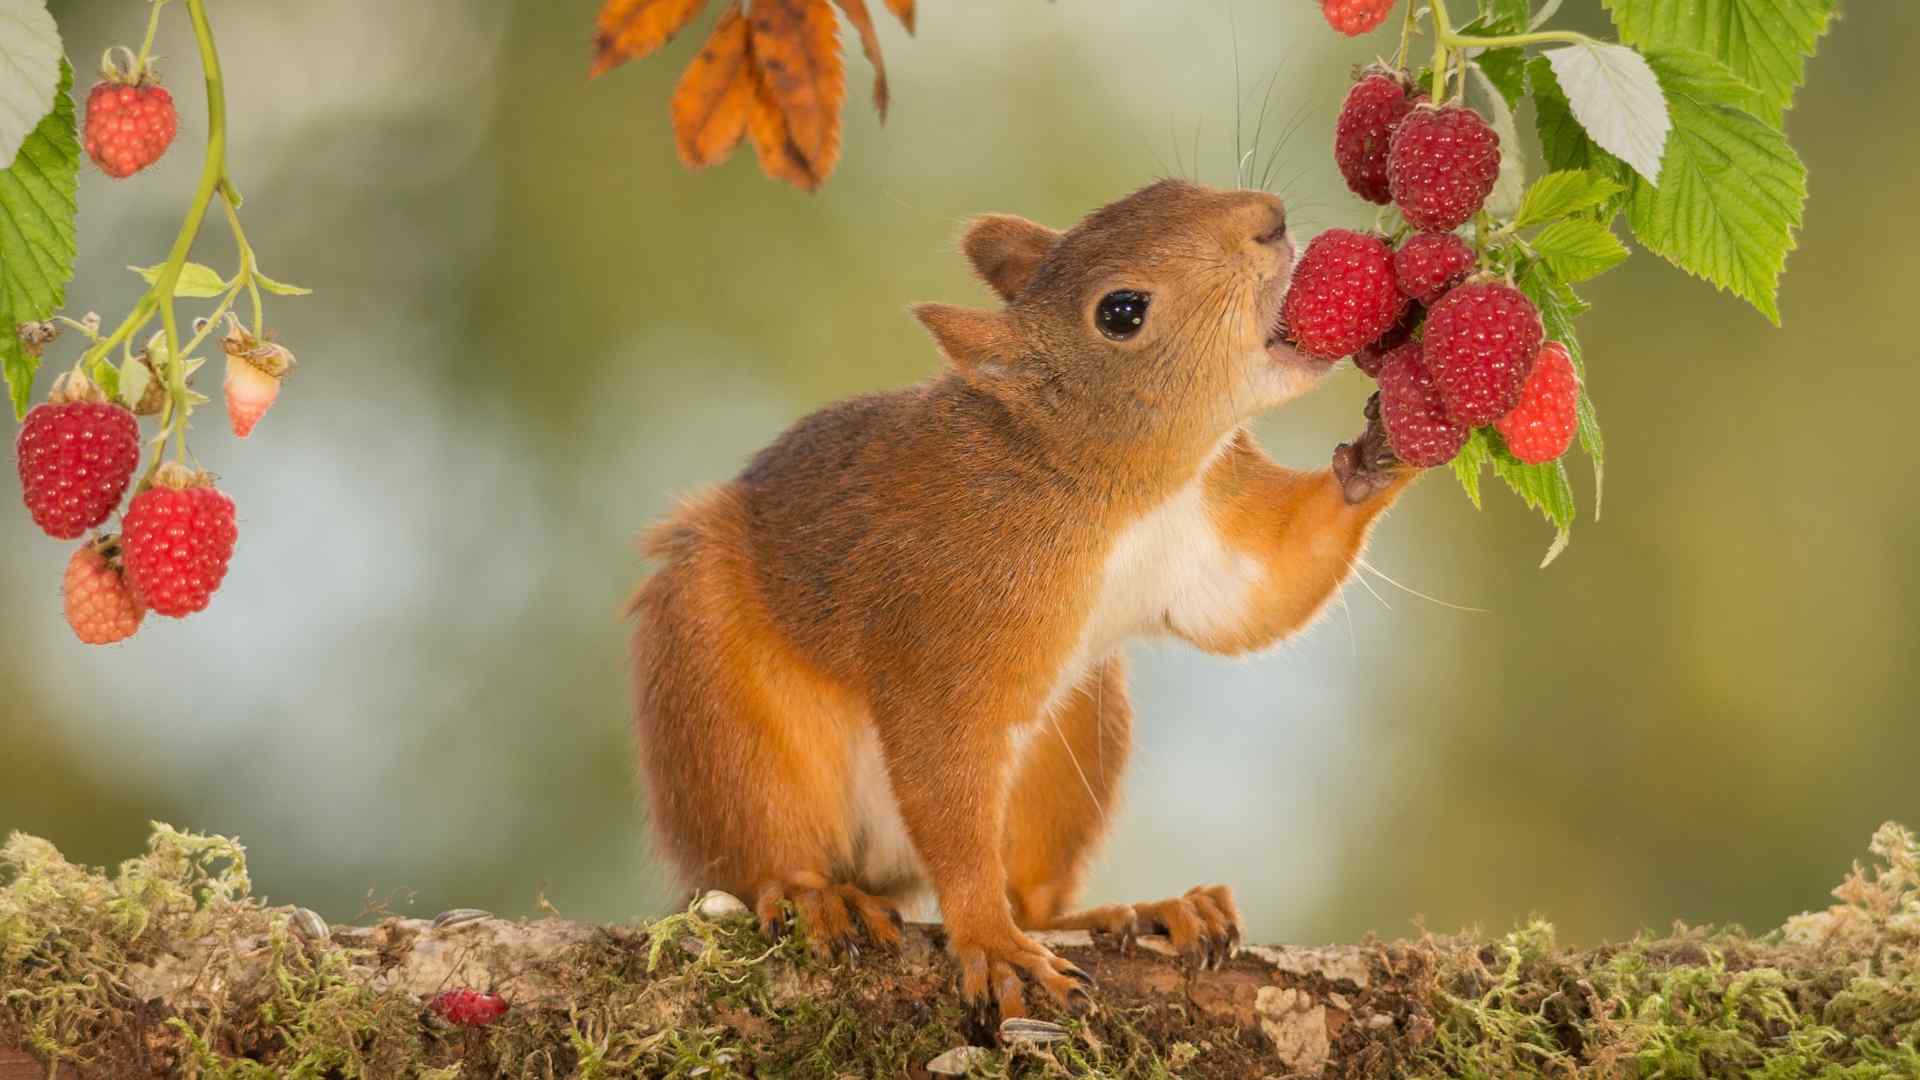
point(29, 71)
point(1579, 249)
point(1563, 142)
point(1559, 306)
point(194, 280)
point(1733, 190)
point(279, 288)
point(36, 235)
point(1615, 95)
point(1562, 194)
point(1765, 43)
point(1468, 463)
point(1544, 487)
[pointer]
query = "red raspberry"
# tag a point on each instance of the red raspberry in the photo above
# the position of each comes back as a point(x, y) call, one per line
point(1430, 263)
point(129, 127)
point(1441, 166)
point(468, 1008)
point(179, 538)
point(75, 460)
point(1371, 358)
point(1356, 17)
point(1480, 343)
point(1342, 295)
point(1418, 427)
point(100, 606)
point(1541, 427)
point(1374, 108)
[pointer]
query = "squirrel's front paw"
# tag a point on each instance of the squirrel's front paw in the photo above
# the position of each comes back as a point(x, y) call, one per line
point(1367, 466)
point(994, 966)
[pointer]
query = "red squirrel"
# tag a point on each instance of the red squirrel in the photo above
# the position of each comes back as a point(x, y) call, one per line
point(888, 655)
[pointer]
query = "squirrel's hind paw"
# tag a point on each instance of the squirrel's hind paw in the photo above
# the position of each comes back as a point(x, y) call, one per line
point(836, 919)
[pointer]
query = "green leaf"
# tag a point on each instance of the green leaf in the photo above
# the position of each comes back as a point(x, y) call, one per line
point(1563, 142)
point(1504, 16)
point(1733, 192)
point(1467, 465)
point(1579, 249)
point(1504, 199)
point(1559, 306)
point(36, 235)
point(1765, 43)
point(134, 378)
point(1544, 487)
point(1565, 193)
point(279, 288)
point(1506, 69)
point(194, 279)
point(1616, 96)
point(29, 71)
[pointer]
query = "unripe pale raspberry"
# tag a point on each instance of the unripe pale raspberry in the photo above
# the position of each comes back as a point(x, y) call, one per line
point(1430, 263)
point(75, 460)
point(1418, 428)
point(1480, 343)
point(100, 606)
point(1355, 17)
point(1342, 295)
point(179, 537)
point(1542, 426)
point(1442, 166)
point(1364, 133)
point(128, 127)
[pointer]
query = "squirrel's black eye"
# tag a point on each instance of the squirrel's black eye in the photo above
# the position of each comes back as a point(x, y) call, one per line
point(1121, 314)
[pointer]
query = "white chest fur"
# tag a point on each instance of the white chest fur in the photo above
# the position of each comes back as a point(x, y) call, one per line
point(1170, 571)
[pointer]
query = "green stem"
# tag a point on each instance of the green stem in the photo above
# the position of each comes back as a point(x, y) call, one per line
point(146, 46)
point(1544, 37)
point(1406, 36)
point(1442, 30)
point(248, 263)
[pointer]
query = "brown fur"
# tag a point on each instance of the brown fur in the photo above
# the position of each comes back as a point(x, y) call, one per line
point(920, 566)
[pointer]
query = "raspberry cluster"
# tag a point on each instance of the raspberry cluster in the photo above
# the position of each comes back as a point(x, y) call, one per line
point(77, 454)
point(1453, 348)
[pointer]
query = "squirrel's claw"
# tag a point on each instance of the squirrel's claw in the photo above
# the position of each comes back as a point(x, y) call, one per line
point(1367, 466)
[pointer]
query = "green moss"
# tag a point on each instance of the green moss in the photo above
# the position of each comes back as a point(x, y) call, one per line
point(1833, 996)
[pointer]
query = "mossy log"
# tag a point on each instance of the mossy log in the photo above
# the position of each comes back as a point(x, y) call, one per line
point(170, 968)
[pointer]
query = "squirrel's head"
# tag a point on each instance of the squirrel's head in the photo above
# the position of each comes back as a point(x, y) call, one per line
point(1157, 317)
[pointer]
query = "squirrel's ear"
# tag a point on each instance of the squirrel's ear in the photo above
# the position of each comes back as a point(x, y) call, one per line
point(1005, 250)
point(971, 340)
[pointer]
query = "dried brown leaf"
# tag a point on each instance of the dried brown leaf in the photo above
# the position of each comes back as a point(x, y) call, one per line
point(796, 49)
point(870, 44)
point(716, 94)
point(630, 29)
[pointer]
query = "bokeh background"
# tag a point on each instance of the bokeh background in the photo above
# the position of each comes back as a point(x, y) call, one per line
point(532, 331)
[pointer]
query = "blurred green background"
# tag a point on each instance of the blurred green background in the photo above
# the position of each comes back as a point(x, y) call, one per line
point(533, 331)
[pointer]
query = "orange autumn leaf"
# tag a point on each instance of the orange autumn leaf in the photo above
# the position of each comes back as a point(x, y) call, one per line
point(780, 158)
point(630, 29)
point(903, 10)
point(796, 48)
point(870, 44)
point(715, 95)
